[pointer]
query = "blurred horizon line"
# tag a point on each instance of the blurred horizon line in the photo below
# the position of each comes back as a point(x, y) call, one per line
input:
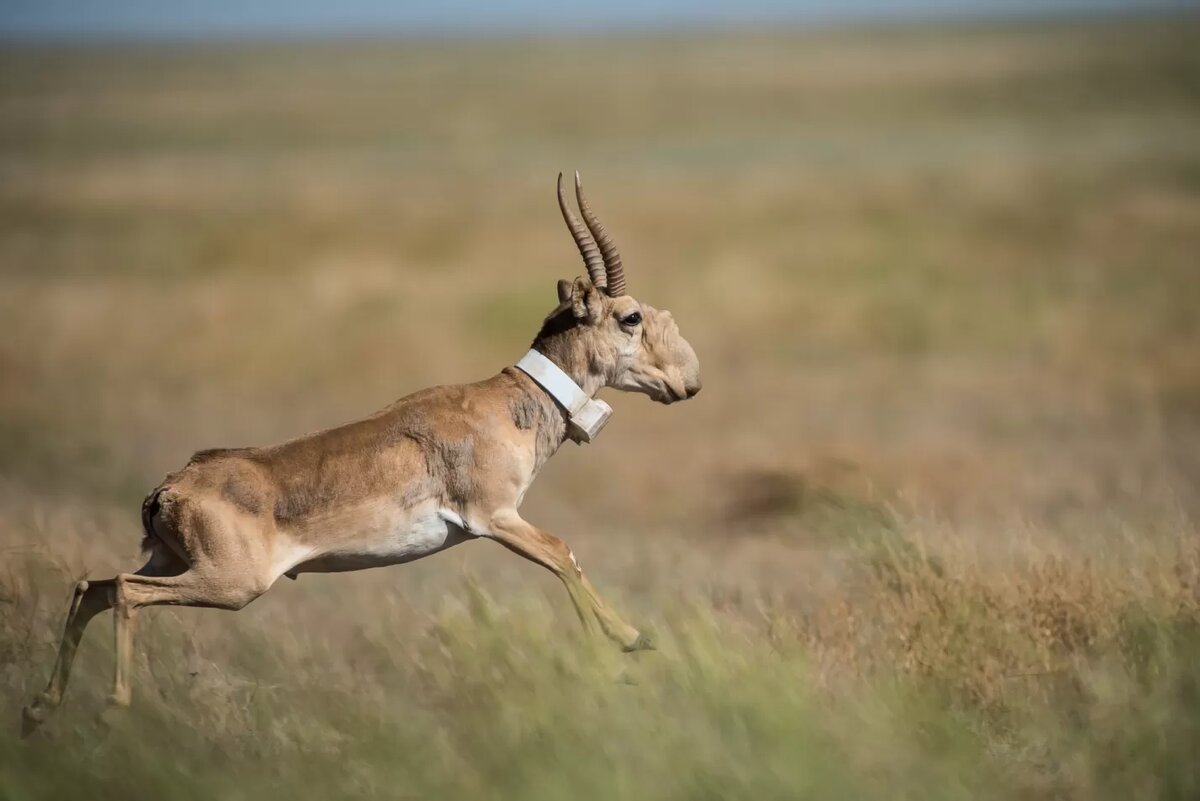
point(30, 31)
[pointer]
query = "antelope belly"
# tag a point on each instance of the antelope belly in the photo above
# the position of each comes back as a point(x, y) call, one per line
point(383, 537)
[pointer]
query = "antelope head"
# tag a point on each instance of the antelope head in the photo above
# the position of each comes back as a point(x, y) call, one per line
point(600, 333)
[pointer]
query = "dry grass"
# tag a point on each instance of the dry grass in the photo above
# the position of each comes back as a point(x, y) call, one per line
point(929, 531)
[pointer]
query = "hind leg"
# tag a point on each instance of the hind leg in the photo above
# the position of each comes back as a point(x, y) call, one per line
point(132, 591)
point(90, 599)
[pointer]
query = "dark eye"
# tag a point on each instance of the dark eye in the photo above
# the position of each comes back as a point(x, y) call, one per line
point(631, 319)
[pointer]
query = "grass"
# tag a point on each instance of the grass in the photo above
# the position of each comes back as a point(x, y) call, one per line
point(929, 531)
point(928, 678)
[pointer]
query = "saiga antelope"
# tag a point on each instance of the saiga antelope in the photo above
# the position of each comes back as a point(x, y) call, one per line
point(434, 469)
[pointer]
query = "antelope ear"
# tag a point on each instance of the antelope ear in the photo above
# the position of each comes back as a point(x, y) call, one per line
point(564, 290)
point(585, 300)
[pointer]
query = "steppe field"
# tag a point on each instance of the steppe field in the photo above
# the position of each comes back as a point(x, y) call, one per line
point(929, 532)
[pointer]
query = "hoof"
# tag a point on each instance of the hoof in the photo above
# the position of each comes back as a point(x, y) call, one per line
point(33, 716)
point(113, 713)
point(119, 700)
point(642, 643)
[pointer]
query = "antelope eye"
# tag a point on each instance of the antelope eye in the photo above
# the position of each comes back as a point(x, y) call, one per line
point(631, 319)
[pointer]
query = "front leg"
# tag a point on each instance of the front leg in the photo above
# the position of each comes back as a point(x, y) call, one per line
point(536, 545)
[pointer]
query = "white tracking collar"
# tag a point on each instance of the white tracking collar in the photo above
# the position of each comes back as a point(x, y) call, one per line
point(585, 416)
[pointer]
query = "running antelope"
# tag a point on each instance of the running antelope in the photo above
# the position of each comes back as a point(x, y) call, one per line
point(434, 469)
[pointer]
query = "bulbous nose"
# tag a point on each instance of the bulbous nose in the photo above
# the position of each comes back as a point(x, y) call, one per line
point(689, 371)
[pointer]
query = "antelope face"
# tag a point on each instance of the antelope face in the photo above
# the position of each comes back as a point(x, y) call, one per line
point(651, 356)
point(639, 347)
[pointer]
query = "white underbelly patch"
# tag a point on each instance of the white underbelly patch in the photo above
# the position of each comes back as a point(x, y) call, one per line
point(386, 539)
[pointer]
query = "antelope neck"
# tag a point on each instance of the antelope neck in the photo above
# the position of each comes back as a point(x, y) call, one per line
point(585, 415)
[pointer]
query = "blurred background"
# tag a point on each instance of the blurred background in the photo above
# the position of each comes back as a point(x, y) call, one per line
point(938, 259)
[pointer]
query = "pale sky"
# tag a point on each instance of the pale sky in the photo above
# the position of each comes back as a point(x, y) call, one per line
point(151, 19)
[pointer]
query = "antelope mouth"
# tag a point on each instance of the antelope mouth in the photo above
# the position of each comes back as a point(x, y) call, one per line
point(674, 394)
point(670, 395)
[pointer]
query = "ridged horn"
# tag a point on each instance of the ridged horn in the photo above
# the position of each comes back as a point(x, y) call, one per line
point(612, 259)
point(583, 240)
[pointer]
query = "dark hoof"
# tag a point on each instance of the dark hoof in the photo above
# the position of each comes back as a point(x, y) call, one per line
point(642, 643)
